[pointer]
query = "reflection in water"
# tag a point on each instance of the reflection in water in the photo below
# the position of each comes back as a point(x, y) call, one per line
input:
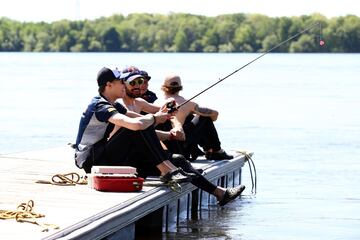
point(213, 222)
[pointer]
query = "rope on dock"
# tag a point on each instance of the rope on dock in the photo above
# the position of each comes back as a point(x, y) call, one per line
point(68, 179)
point(25, 213)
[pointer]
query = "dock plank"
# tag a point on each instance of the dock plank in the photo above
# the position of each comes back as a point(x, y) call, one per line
point(61, 205)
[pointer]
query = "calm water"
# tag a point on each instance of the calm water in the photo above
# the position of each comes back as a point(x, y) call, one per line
point(299, 113)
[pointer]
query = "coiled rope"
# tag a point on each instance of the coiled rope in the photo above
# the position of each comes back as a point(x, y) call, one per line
point(68, 179)
point(25, 213)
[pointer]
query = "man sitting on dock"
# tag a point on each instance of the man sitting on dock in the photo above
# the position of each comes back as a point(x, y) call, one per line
point(94, 146)
point(135, 101)
point(197, 123)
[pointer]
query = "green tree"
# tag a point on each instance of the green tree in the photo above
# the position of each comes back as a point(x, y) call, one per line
point(351, 26)
point(10, 35)
point(210, 41)
point(243, 38)
point(306, 44)
point(270, 42)
point(111, 40)
point(180, 42)
point(161, 43)
point(183, 33)
point(43, 42)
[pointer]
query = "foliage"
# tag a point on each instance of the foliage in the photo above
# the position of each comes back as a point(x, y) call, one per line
point(182, 33)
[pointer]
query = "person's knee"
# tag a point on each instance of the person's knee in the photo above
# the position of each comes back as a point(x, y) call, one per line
point(178, 159)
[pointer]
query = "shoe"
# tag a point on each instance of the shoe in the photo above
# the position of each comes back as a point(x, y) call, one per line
point(178, 175)
point(231, 194)
point(195, 153)
point(219, 155)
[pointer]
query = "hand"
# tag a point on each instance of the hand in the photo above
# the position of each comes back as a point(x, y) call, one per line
point(170, 106)
point(162, 117)
point(177, 134)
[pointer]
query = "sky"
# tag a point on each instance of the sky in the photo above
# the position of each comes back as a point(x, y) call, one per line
point(53, 10)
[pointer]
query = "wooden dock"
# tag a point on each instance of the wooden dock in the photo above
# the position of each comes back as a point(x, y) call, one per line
point(84, 213)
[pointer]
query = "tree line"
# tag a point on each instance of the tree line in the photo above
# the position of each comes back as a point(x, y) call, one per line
point(183, 33)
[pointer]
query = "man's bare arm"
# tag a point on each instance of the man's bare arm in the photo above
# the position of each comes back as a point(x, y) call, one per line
point(147, 107)
point(206, 112)
point(137, 123)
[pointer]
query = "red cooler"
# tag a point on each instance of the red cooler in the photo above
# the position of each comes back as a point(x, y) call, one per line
point(117, 183)
point(116, 179)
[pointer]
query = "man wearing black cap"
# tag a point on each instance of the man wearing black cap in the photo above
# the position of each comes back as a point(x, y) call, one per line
point(145, 93)
point(95, 146)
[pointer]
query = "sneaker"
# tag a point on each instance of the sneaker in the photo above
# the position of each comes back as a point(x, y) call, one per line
point(219, 155)
point(175, 176)
point(231, 194)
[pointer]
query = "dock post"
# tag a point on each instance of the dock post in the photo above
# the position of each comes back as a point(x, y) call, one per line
point(150, 225)
point(194, 204)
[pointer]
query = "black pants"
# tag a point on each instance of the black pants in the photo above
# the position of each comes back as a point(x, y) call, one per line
point(200, 131)
point(140, 149)
point(200, 182)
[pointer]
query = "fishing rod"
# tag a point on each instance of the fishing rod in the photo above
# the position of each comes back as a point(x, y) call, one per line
point(172, 107)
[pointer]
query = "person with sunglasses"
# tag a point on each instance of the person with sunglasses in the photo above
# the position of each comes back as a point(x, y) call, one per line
point(136, 133)
point(134, 79)
point(132, 101)
point(145, 93)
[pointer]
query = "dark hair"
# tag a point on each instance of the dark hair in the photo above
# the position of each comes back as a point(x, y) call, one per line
point(101, 89)
point(171, 90)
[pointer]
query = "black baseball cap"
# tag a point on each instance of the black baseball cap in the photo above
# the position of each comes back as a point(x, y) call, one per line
point(107, 75)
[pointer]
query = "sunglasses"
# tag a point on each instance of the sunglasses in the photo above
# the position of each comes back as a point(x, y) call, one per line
point(138, 81)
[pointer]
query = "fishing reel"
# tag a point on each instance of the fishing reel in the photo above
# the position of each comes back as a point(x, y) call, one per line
point(171, 106)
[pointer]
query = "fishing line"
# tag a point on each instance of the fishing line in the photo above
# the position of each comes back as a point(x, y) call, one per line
point(321, 43)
